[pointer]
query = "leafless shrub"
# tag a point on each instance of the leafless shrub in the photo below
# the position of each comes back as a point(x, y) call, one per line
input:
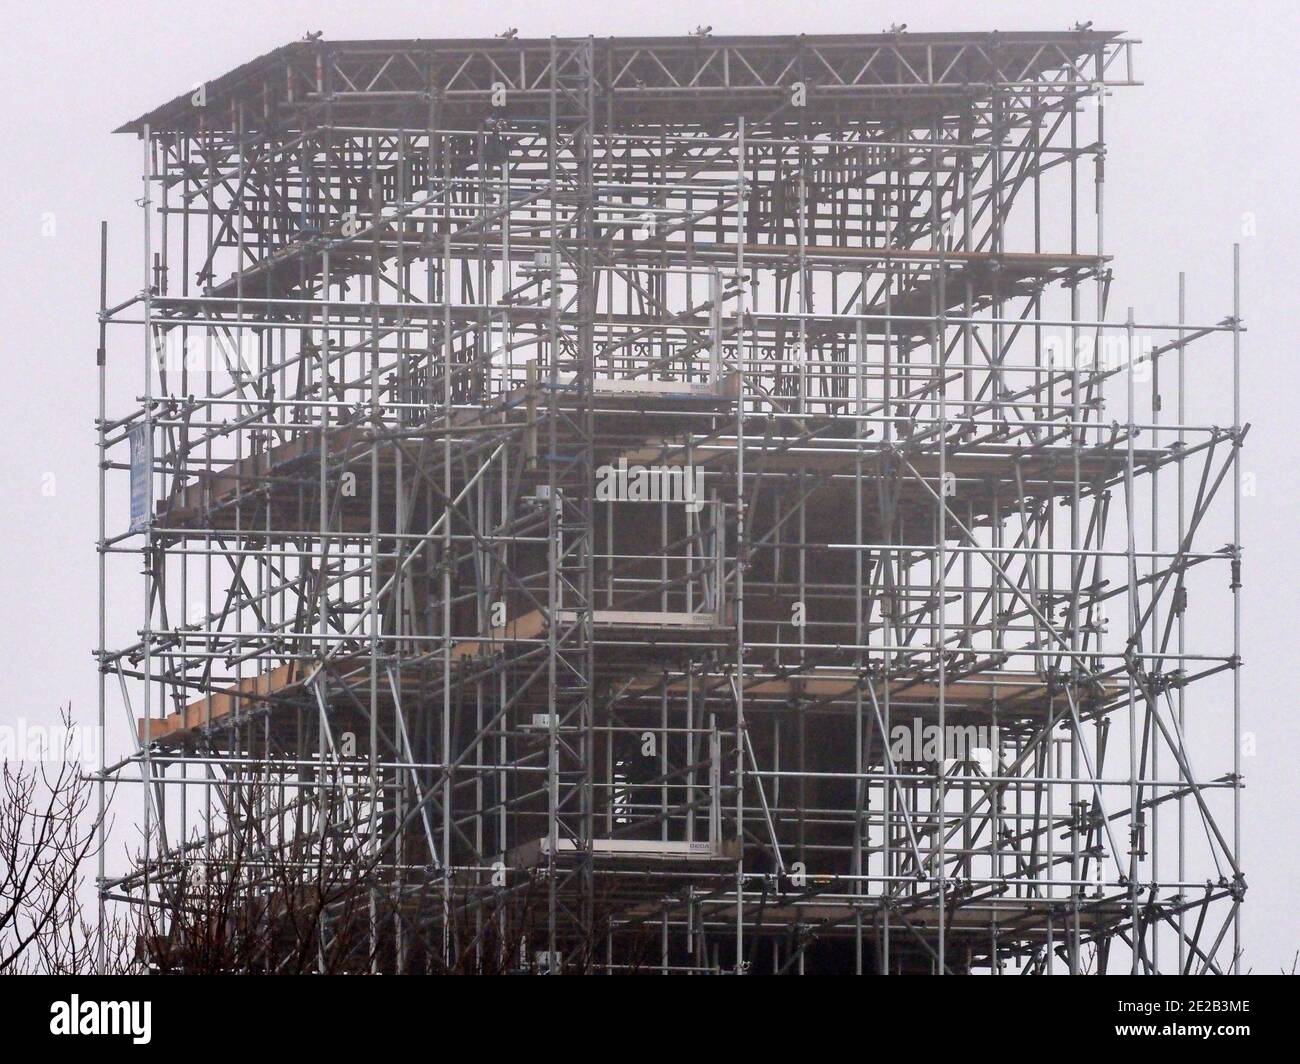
point(49, 829)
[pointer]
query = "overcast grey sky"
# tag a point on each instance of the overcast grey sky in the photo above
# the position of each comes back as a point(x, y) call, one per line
point(1209, 139)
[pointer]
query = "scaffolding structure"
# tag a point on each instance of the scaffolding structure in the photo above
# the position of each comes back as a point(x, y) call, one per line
point(693, 487)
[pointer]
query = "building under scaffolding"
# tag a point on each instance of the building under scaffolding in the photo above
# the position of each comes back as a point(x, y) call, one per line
point(691, 491)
